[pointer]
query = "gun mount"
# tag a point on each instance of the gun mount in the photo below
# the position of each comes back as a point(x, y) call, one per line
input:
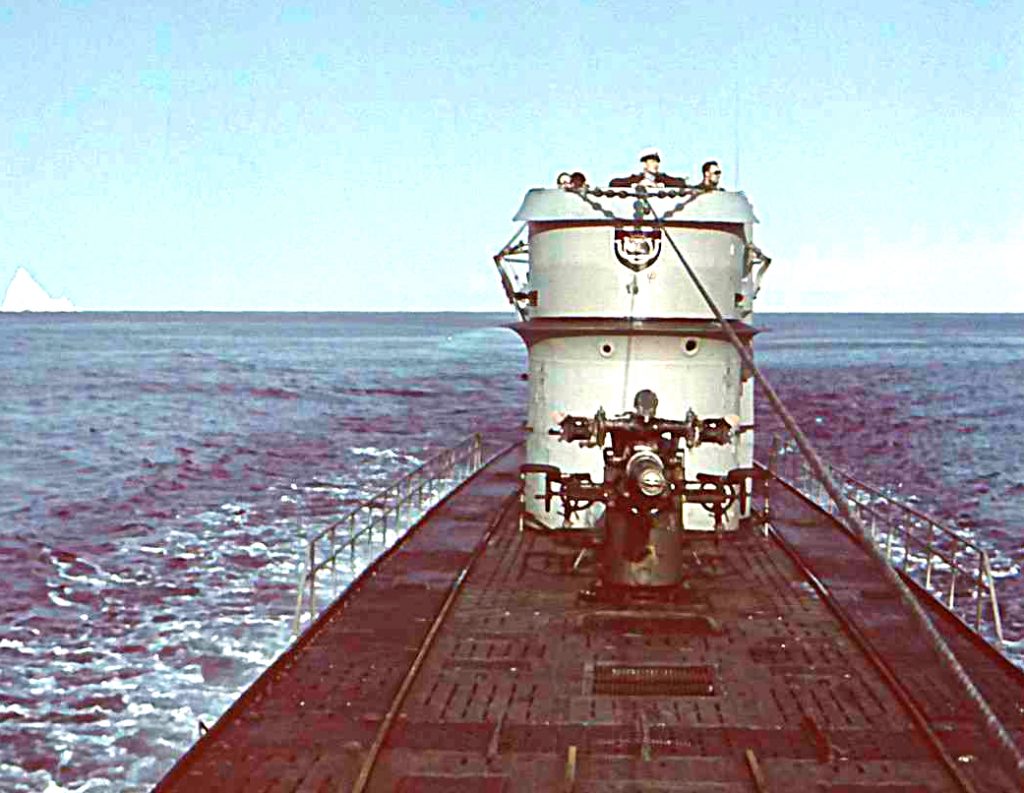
point(644, 487)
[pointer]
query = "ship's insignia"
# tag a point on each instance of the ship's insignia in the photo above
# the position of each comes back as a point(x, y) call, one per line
point(637, 248)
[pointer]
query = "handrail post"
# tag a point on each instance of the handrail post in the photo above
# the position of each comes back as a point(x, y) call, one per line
point(312, 579)
point(928, 567)
point(992, 598)
point(773, 463)
point(978, 585)
point(334, 560)
point(300, 590)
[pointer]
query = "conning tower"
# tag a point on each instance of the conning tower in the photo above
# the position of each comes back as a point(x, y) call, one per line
point(609, 312)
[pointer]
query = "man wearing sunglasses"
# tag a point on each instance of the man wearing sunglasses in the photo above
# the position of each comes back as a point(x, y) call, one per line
point(712, 176)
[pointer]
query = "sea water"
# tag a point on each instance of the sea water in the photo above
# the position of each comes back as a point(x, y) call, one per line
point(159, 470)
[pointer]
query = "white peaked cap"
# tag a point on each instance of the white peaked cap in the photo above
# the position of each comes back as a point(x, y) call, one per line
point(649, 152)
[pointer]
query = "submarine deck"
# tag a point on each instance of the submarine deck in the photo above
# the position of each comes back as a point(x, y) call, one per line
point(465, 660)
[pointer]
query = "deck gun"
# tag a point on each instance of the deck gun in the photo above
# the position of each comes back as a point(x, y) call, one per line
point(644, 488)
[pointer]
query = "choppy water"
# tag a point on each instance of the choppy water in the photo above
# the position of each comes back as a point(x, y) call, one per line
point(153, 485)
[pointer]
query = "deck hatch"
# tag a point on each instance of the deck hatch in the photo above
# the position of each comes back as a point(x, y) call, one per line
point(654, 680)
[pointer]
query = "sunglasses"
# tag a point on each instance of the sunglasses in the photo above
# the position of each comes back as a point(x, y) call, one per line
point(716, 173)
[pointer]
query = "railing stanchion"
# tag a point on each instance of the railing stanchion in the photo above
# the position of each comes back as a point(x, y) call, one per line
point(928, 566)
point(996, 618)
point(312, 579)
point(299, 590)
point(978, 588)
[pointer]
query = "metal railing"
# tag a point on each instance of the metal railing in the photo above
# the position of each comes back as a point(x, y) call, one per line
point(955, 570)
point(377, 522)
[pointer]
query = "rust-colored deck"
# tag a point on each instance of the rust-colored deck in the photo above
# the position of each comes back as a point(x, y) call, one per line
point(527, 688)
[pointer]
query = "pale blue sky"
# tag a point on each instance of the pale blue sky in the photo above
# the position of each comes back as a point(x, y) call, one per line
point(256, 155)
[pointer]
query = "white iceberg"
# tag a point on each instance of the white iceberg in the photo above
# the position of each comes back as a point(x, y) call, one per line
point(24, 294)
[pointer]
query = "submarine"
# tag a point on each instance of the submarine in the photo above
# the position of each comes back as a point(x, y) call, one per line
point(636, 596)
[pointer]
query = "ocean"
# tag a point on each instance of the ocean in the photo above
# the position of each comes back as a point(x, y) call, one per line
point(158, 480)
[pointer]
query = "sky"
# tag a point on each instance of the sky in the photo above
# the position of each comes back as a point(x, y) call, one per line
point(339, 156)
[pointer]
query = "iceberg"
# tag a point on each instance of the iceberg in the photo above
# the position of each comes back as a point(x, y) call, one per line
point(25, 294)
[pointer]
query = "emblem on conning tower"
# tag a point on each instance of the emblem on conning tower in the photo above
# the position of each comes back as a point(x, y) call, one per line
point(637, 248)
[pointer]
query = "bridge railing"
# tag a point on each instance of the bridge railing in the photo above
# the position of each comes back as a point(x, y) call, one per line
point(957, 571)
point(342, 549)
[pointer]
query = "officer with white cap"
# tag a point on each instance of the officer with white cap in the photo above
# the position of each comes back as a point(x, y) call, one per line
point(650, 159)
point(650, 176)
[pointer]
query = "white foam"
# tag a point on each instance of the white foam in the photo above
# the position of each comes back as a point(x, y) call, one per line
point(382, 454)
point(192, 673)
point(45, 685)
point(96, 783)
point(85, 579)
point(119, 684)
point(250, 656)
point(58, 600)
point(16, 644)
point(1010, 572)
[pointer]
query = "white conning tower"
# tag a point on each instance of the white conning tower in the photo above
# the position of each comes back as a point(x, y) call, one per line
point(608, 309)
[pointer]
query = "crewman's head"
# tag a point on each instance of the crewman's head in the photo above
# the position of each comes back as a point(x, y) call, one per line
point(712, 174)
point(651, 160)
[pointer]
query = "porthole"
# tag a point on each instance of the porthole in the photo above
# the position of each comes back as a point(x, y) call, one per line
point(691, 346)
point(607, 349)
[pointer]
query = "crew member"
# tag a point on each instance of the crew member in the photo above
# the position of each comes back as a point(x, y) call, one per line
point(712, 176)
point(651, 175)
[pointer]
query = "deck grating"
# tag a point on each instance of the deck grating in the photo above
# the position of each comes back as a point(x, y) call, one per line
point(653, 680)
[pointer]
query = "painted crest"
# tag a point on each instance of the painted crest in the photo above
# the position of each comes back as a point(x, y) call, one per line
point(637, 248)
